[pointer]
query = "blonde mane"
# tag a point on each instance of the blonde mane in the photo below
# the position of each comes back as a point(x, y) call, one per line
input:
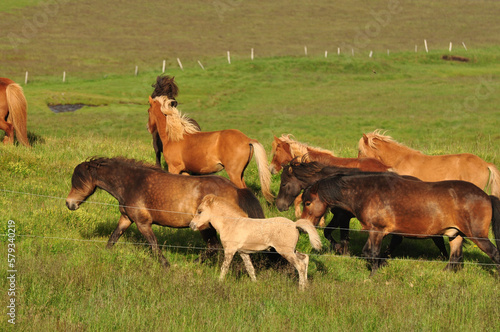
point(177, 124)
point(298, 149)
point(379, 135)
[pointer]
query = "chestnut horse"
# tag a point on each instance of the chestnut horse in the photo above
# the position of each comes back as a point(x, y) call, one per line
point(13, 112)
point(244, 235)
point(385, 203)
point(186, 149)
point(298, 176)
point(284, 149)
point(406, 161)
point(147, 195)
point(165, 86)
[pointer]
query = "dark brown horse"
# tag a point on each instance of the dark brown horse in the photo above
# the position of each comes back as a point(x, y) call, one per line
point(299, 175)
point(165, 86)
point(13, 112)
point(147, 195)
point(389, 204)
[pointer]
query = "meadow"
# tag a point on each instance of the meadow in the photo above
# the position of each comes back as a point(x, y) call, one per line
point(67, 280)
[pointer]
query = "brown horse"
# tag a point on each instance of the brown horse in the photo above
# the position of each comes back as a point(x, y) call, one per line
point(13, 112)
point(297, 176)
point(284, 149)
point(186, 149)
point(385, 203)
point(147, 195)
point(165, 86)
point(238, 233)
point(406, 161)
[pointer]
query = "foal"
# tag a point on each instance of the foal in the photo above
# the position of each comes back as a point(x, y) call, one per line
point(238, 233)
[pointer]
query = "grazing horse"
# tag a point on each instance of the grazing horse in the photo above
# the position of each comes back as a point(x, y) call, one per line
point(238, 233)
point(284, 149)
point(406, 161)
point(186, 149)
point(297, 176)
point(165, 86)
point(147, 195)
point(388, 204)
point(13, 112)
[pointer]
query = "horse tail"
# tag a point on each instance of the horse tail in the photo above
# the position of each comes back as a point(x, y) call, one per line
point(18, 111)
point(494, 182)
point(249, 203)
point(495, 219)
point(306, 226)
point(264, 172)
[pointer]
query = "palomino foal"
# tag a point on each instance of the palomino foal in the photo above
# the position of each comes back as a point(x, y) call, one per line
point(238, 233)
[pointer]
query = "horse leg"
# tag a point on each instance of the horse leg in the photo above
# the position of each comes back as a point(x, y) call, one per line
point(158, 146)
point(147, 231)
point(9, 131)
point(123, 224)
point(228, 257)
point(395, 242)
point(455, 253)
point(248, 265)
point(209, 235)
point(489, 249)
point(299, 261)
point(372, 250)
point(344, 220)
point(439, 242)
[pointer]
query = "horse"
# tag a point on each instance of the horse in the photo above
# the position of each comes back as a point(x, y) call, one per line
point(148, 195)
point(284, 149)
point(165, 86)
point(244, 235)
point(406, 161)
point(13, 112)
point(385, 204)
point(186, 149)
point(297, 176)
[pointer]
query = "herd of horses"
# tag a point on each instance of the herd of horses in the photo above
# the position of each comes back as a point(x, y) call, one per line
point(390, 188)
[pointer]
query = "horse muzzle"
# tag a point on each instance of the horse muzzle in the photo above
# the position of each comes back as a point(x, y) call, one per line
point(72, 205)
point(282, 205)
point(193, 226)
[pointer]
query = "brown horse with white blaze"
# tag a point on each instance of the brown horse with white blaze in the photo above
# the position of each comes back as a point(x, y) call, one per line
point(406, 161)
point(13, 112)
point(186, 149)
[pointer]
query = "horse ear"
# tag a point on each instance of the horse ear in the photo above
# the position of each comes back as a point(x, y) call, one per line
point(150, 100)
point(365, 138)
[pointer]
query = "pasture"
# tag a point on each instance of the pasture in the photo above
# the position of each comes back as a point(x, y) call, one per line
point(67, 280)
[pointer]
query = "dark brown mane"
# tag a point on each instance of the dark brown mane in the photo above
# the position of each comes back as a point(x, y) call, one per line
point(165, 86)
point(97, 162)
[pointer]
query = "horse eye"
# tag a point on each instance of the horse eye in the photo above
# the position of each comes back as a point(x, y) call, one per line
point(307, 203)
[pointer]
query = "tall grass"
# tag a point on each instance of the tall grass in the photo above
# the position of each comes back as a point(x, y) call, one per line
point(68, 281)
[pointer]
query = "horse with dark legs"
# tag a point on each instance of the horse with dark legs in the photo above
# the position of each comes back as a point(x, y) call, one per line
point(297, 176)
point(186, 149)
point(13, 112)
point(388, 204)
point(406, 161)
point(165, 86)
point(147, 195)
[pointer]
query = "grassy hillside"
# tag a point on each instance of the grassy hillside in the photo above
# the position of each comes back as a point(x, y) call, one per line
point(92, 37)
point(66, 280)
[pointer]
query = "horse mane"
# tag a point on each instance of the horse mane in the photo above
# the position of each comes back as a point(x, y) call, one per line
point(379, 135)
point(96, 162)
point(304, 170)
point(298, 149)
point(223, 206)
point(165, 86)
point(177, 124)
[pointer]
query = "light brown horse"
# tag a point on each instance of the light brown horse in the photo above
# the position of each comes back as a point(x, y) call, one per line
point(244, 235)
point(13, 112)
point(284, 149)
point(406, 161)
point(186, 149)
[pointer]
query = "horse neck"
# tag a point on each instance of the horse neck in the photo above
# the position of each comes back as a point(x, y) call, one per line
point(392, 154)
point(222, 219)
point(106, 178)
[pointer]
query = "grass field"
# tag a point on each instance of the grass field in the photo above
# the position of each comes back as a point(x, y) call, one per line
point(67, 280)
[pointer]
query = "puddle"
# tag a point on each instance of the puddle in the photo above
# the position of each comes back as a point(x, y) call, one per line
point(65, 108)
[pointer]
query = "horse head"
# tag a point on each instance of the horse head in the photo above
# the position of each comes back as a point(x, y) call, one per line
point(313, 206)
point(290, 188)
point(82, 185)
point(281, 155)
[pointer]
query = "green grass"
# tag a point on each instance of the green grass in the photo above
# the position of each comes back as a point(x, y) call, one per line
point(67, 280)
